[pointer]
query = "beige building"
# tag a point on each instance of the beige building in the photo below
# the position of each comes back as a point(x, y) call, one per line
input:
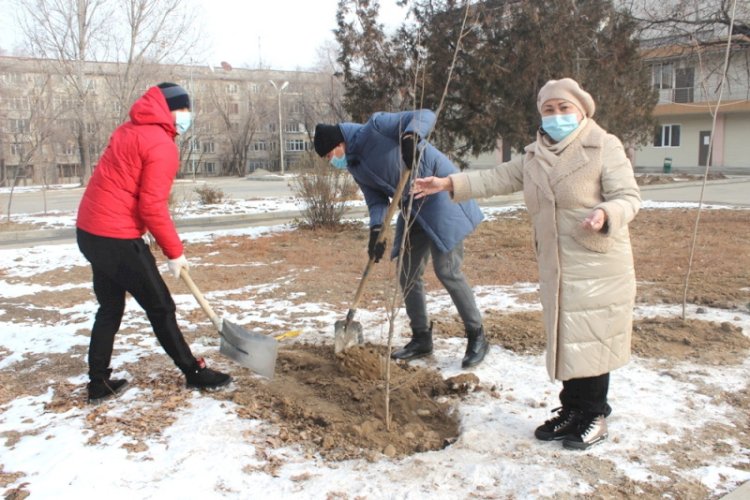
point(689, 82)
point(244, 119)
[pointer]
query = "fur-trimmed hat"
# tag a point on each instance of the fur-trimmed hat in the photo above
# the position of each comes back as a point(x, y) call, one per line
point(569, 90)
point(176, 96)
point(326, 138)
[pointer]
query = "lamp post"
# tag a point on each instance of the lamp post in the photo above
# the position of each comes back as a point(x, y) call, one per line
point(279, 90)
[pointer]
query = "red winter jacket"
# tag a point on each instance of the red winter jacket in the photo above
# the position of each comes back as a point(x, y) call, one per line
point(128, 191)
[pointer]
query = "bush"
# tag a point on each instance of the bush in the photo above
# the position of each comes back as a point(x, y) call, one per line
point(324, 190)
point(209, 195)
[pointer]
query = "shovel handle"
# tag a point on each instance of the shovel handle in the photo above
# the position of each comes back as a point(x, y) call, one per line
point(405, 173)
point(199, 297)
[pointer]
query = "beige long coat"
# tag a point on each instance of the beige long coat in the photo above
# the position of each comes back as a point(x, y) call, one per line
point(586, 279)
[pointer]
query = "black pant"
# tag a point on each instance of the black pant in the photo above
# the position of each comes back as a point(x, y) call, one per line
point(127, 265)
point(588, 394)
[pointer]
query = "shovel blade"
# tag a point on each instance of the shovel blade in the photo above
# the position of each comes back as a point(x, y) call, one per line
point(346, 335)
point(251, 350)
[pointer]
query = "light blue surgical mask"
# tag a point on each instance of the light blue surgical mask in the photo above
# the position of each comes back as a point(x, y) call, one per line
point(182, 121)
point(559, 126)
point(338, 162)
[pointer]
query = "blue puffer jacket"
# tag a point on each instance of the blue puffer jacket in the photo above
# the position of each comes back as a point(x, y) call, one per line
point(373, 158)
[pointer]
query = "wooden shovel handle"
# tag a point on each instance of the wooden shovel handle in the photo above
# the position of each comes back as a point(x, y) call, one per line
point(199, 297)
point(395, 201)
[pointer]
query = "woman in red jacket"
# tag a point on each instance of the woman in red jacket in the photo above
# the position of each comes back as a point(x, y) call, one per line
point(127, 196)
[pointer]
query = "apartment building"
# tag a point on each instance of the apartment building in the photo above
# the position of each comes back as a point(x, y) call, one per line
point(692, 96)
point(244, 119)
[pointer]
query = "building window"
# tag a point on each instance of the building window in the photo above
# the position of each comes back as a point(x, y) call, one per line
point(208, 147)
point(260, 146)
point(295, 145)
point(662, 76)
point(233, 108)
point(294, 127)
point(195, 145)
point(69, 149)
point(19, 126)
point(209, 167)
point(16, 149)
point(667, 136)
point(232, 88)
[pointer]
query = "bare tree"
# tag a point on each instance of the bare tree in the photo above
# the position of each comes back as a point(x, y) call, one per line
point(241, 109)
point(137, 34)
point(34, 121)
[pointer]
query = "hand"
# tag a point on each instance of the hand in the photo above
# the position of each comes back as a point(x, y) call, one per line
point(425, 186)
point(408, 149)
point(595, 220)
point(375, 250)
point(175, 265)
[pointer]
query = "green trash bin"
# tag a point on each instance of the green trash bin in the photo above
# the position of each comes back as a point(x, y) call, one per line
point(667, 165)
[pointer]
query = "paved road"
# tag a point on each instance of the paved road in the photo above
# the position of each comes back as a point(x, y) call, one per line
point(733, 191)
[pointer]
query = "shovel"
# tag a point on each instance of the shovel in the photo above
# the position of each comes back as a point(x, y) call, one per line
point(347, 332)
point(251, 350)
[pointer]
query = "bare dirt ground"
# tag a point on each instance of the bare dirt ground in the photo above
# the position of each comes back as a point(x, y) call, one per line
point(335, 405)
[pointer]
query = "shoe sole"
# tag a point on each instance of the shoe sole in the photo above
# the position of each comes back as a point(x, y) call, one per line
point(416, 356)
point(550, 437)
point(111, 395)
point(210, 388)
point(576, 445)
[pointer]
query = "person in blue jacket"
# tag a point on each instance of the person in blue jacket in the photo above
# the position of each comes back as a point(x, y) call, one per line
point(375, 154)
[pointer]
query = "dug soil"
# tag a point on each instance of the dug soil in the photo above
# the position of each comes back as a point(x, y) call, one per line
point(335, 406)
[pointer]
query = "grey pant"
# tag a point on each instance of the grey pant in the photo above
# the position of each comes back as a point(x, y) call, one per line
point(447, 268)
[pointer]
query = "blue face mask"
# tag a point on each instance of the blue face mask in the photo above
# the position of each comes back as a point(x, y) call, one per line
point(338, 162)
point(182, 121)
point(558, 127)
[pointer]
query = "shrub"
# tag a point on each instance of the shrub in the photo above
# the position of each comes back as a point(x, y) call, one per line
point(209, 195)
point(324, 190)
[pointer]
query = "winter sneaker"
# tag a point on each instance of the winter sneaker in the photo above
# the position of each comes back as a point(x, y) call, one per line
point(560, 426)
point(100, 390)
point(202, 377)
point(591, 429)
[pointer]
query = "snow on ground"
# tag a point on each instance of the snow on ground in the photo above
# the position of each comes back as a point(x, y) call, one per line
point(208, 452)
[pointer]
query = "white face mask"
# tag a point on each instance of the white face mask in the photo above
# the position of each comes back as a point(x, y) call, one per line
point(182, 121)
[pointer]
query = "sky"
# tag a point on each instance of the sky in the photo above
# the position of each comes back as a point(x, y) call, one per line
point(282, 34)
point(494, 455)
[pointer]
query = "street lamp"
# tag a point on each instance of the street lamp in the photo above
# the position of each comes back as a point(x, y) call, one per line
point(279, 90)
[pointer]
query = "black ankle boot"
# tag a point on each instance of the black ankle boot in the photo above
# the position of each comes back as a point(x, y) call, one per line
point(419, 346)
point(476, 348)
point(102, 389)
point(200, 376)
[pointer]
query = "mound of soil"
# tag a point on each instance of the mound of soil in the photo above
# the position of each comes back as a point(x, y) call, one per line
point(335, 405)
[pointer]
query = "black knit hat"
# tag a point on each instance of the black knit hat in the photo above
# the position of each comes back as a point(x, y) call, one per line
point(176, 96)
point(327, 137)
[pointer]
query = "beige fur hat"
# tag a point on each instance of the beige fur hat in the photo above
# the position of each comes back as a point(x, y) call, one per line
point(568, 89)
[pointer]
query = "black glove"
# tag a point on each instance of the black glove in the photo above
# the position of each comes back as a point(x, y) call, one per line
point(375, 250)
point(408, 150)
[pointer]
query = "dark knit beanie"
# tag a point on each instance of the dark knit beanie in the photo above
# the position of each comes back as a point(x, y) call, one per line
point(176, 96)
point(327, 137)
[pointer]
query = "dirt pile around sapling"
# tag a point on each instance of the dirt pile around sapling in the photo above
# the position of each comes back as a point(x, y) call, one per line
point(335, 404)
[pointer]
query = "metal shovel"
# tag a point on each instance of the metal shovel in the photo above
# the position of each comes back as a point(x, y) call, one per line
point(251, 350)
point(347, 332)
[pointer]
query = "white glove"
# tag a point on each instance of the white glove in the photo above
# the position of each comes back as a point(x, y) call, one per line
point(176, 264)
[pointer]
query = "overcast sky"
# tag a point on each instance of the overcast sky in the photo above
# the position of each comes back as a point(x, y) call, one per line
point(283, 34)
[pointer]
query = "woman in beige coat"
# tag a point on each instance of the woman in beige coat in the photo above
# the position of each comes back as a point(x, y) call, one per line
point(581, 193)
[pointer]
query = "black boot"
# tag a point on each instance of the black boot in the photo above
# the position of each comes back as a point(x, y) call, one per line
point(419, 346)
point(476, 348)
point(199, 376)
point(101, 389)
